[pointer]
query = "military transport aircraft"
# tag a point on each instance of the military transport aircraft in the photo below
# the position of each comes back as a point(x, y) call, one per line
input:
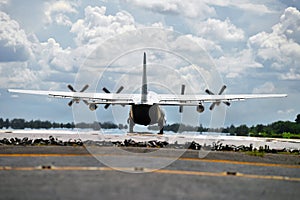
point(145, 107)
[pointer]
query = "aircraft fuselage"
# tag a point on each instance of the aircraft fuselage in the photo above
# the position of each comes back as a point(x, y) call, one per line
point(144, 114)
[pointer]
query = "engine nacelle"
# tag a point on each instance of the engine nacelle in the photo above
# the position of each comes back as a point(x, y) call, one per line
point(93, 107)
point(200, 108)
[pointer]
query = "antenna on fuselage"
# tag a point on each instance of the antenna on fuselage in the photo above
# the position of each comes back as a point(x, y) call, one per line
point(144, 81)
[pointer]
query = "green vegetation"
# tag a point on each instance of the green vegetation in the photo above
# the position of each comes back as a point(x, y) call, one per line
point(255, 153)
point(279, 129)
point(38, 124)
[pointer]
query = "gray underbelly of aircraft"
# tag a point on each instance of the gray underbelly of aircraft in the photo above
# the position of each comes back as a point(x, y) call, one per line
point(146, 114)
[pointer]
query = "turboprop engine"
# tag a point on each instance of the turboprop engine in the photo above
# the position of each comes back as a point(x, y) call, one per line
point(200, 108)
point(93, 107)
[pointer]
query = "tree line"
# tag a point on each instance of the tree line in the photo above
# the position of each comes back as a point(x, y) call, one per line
point(280, 129)
point(19, 123)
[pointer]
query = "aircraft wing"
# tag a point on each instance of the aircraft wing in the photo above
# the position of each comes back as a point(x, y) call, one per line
point(161, 99)
point(191, 100)
point(96, 98)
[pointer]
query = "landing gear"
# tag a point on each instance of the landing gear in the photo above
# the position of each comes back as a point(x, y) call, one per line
point(131, 125)
point(161, 131)
point(161, 126)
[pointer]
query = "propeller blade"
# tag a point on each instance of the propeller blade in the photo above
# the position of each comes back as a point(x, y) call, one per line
point(86, 102)
point(226, 103)
point(71, 102)
point(120, 89)
point(222, 89)
point(182, 89)
point(212, 106)
point(218, 102)
point(75, 99)
point(84, 88)
point(209, 92)
point(182, 93)
point(180, 109)
point(105, 90)
point(71, 88)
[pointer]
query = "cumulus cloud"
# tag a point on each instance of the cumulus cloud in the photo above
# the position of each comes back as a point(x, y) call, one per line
point(287, 111)
point(62, 19)
point(30, 60)
point(267, 87)
point(4, 2)
point(97, 26)
point(210, 46)
point(56, 11)
point(188, 8)
point(170, 7)
point(292, 74)
point(245, 5)
point(14, 45)
point(218, 30)
point(280, 48)
point(236, 64)
point(18, 75)
point(52, 54)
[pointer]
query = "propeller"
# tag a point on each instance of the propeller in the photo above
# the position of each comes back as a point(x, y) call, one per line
point(182, 93)
point(227, 103)
point(77, 99)
point(107, 91)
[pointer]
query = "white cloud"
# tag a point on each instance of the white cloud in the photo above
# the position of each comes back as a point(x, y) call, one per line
point(55, 11)
point(158, 6)
point(256, 8)
point(245, 5)
point(97, 26)
point(25, 63)
point(289, 24)
point(208, 45)
point(267, 87)
point(292, 74)
point(218, 30)
point(189, 8)
point(62, 19)
point(281, 48)
point(288, 111)
point(14, 45)
point(18, 75)
point(236, 64)
point(52, 54)
point(4, 2)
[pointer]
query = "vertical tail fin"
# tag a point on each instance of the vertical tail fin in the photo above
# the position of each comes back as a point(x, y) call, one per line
point(144, 82)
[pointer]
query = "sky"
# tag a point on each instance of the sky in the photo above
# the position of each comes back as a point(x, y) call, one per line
point(251, 46)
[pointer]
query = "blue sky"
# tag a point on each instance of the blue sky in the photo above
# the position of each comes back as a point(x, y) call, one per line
point(253, 44)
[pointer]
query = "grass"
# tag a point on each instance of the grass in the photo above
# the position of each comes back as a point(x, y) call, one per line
point(256, 153)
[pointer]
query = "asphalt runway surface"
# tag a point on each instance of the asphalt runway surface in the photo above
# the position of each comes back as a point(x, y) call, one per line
point(54, 172)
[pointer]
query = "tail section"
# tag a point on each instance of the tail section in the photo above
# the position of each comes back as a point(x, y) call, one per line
point(144, 81)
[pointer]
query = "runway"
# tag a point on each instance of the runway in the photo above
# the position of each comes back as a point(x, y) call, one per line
point(51, 172)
